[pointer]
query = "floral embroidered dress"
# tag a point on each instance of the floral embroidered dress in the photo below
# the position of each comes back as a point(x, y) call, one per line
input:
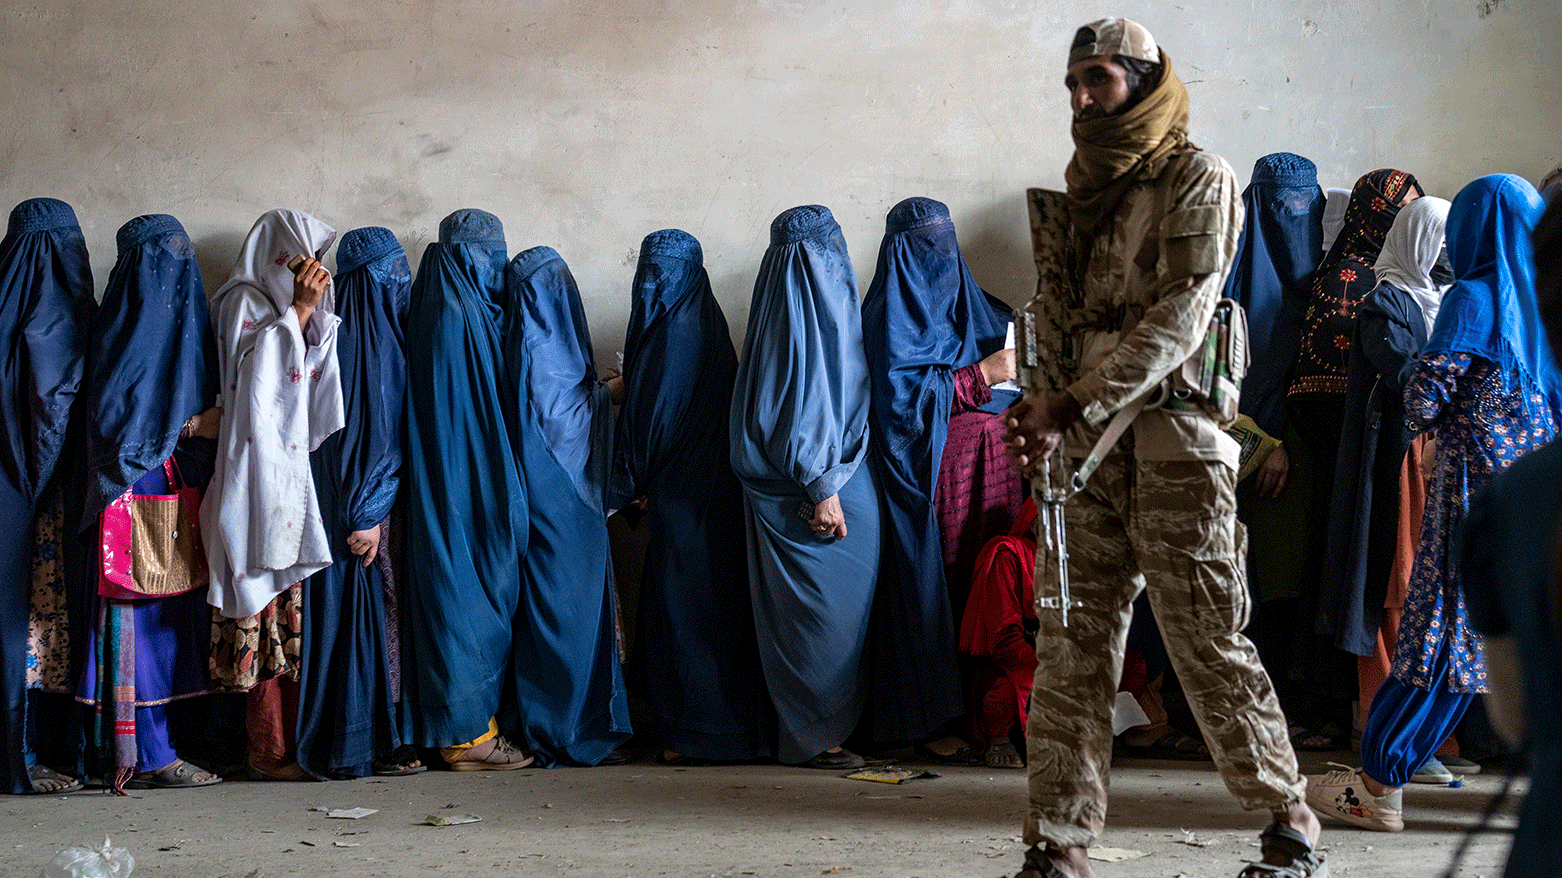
point(1485, 419)
point(1489, 386)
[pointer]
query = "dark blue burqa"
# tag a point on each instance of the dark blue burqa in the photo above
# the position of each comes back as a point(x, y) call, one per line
point(153, 362)
point(799, 435)
point(46, 310)
point(346, 707)
point(570, 686)
point(923, 318)
point(465, 502)
point(696, 657)
point(1281, 241)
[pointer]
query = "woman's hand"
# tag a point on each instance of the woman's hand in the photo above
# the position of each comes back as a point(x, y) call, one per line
point(203, 425)
point(310, 282)
point(1270, 477)
point(1428, 459)
point(829, 521)
point(615, 387)
point(999, 367)
point(365, 543)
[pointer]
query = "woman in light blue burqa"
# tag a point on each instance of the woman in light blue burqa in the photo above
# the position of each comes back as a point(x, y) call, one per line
point(799, 436)
point(570, 687)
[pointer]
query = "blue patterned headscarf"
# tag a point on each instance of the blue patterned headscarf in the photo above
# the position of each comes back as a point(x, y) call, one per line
point(1491, 310)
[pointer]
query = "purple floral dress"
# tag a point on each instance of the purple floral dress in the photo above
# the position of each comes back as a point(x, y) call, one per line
point(1484, 419)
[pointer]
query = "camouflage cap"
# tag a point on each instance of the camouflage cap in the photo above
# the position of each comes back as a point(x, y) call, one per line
point(1113, 36)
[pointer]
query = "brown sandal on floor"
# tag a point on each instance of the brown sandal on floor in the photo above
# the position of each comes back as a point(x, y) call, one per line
point(503, 757)
point(175, 776)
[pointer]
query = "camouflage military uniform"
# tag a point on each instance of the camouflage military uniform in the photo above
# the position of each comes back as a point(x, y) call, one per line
point(1159, 513)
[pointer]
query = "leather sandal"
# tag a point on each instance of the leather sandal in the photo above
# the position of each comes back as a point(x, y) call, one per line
point(1281, 839)
point(179, 775)
point(503, 757)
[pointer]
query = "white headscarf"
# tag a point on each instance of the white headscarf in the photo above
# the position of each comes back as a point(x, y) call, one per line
point(1411, 249)
point(281, 395)
point(1336, 200)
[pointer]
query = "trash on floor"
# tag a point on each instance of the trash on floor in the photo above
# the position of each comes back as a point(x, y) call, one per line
point(80, 861)
point(890, 774)
point(347, 813)
point(1115, 855)
point(451, 819)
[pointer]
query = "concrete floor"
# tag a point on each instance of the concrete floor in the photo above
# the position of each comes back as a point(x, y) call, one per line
point(650, 820)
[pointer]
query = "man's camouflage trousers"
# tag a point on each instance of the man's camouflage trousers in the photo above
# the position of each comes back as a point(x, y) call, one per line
point(1169, 527)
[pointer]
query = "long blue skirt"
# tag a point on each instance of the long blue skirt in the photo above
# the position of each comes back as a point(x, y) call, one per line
point(812, 599)
point(570, 693)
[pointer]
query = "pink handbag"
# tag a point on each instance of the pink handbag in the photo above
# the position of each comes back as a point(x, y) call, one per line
point(151, 543)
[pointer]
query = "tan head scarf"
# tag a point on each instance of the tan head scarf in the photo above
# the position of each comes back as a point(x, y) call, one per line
point(1112, 152)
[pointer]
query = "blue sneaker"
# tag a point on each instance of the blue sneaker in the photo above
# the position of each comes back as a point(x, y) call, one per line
point(1432, 771)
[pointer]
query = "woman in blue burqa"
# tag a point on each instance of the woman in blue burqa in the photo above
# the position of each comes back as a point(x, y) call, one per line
point(924, 318)
point(148, 405)
point(347, 724)
point(464, 500)
point(1279, 248)
point(46, 308)
point(696, 659)
point(574, 709)
point(799, 439)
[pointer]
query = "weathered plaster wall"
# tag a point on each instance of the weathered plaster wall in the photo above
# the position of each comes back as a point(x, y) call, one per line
point(586, 125)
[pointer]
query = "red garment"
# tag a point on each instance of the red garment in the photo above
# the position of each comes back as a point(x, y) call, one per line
point(977, 496)
point(271, 719)
point(992, 629)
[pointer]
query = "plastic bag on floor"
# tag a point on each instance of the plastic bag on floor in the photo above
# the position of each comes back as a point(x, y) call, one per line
point(80, 861)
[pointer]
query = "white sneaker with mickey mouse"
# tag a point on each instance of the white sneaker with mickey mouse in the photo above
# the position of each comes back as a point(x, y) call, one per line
point(1343, 795)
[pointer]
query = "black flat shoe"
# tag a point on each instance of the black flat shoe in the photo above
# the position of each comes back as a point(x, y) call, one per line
point(621, 756)
point(840, 760)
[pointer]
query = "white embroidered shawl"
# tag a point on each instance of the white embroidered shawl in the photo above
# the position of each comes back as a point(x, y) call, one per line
point(281, 395)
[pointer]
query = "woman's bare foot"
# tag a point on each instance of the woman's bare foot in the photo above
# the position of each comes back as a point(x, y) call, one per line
point(46, 780)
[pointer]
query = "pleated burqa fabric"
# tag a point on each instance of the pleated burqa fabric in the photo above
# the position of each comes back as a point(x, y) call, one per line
point(46, 309)
point(346, 706)
point(570, 686)
point(696, 656)
point(924, 317)
point(799, 435)
point(465, 503)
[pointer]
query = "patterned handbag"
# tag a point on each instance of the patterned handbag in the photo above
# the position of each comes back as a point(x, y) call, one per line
point(151, 543)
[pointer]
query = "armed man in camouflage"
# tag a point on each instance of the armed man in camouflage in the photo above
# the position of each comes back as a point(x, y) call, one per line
point(1152, 228)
